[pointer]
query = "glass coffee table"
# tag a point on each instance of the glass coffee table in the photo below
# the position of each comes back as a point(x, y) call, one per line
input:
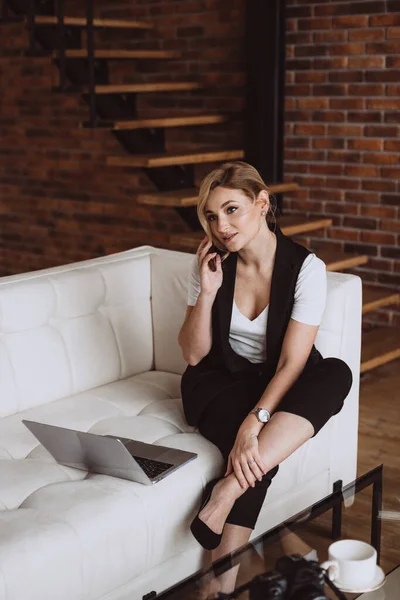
point(350, 512)
point(389, 591)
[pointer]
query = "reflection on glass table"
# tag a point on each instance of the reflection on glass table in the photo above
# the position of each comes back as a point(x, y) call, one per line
point(351, 512)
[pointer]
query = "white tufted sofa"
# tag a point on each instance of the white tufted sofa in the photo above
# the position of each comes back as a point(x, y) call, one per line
point(93, 346)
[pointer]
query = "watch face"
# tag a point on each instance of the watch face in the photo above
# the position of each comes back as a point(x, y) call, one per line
point(263, 415)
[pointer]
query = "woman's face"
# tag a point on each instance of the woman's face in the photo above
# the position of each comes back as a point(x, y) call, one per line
point(233, 218)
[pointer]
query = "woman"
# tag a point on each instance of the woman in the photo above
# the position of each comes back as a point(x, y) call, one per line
point(255, 384)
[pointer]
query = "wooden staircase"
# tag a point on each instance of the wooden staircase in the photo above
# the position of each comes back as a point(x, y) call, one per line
point(379, 346)
point(165, 159)
point(183, 121)
point(141, 88)
point(120, 54)
point(173, 172)
point(373, 299)
point(98, 23)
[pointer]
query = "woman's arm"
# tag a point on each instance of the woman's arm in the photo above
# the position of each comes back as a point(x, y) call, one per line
point(296, 348)
point(195, 336)
point(308, 308)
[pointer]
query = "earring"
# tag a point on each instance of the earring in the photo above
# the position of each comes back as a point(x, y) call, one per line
point(263, 213)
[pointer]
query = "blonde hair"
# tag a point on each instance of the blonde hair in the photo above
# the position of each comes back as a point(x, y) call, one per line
point(236, 175)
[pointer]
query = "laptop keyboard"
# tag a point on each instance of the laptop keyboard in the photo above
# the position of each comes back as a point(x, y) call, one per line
point(152, 467)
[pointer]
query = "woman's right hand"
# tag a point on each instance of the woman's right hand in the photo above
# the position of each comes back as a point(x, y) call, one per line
point(210, 280)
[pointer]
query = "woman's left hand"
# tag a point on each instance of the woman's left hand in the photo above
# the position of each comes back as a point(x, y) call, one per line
point(244, 459)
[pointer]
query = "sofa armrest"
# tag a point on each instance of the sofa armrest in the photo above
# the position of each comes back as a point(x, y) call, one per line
point(340, 336)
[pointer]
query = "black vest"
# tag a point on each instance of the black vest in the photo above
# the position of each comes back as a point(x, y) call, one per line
point(222, 361)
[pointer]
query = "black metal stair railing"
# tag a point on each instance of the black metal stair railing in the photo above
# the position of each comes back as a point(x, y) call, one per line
point(62, 44)
point(5, 15)
point(29, 10)
point(31, 26)
point(26, 10)
point(90, 60)
point(62, 58)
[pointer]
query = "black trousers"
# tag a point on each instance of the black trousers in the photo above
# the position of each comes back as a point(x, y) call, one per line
point(317, 395)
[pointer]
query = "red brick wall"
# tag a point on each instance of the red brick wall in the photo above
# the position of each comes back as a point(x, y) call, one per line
point(60, 202)
point(343, 128)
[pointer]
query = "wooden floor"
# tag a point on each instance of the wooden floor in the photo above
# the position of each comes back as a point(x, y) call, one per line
point(379, 442)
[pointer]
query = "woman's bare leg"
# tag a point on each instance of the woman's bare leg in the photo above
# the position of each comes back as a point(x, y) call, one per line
point(283, 434)
point(292, 544)
point(234, 536)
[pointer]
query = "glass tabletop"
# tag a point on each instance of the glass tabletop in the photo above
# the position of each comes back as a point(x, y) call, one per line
point(350, 512)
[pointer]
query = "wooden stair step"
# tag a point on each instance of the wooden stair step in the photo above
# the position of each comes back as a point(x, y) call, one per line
point(189, 197)
point(339, 261)
point(292, 225)
point(183, 121)
point(379, 346)
point(128, 88)
point(120, 54)
point(181, 158)
point(82, 22)
point(374, 297)
point(289, 225)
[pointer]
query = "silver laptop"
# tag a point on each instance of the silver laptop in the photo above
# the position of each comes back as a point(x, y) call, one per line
point(109, 455)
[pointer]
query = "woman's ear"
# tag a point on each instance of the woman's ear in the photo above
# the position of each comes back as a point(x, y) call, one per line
point(263, 200)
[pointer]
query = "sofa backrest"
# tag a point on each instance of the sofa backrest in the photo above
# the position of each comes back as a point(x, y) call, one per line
point(67, 329)
point(169, 281)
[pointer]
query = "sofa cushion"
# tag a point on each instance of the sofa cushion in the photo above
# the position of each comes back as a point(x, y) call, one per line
point(114, 403)
point(66, 330)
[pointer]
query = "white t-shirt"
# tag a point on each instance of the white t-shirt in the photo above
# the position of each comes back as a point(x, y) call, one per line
point(247, 338)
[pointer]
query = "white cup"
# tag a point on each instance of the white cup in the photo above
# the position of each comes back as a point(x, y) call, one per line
point(351, 564)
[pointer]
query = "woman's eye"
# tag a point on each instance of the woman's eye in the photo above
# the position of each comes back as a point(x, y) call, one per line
point(230, 208)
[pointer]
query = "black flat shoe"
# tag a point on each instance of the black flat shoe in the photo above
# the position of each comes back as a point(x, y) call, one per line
point(203, 534)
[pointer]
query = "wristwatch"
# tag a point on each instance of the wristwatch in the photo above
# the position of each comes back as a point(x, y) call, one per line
point(262, 414)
